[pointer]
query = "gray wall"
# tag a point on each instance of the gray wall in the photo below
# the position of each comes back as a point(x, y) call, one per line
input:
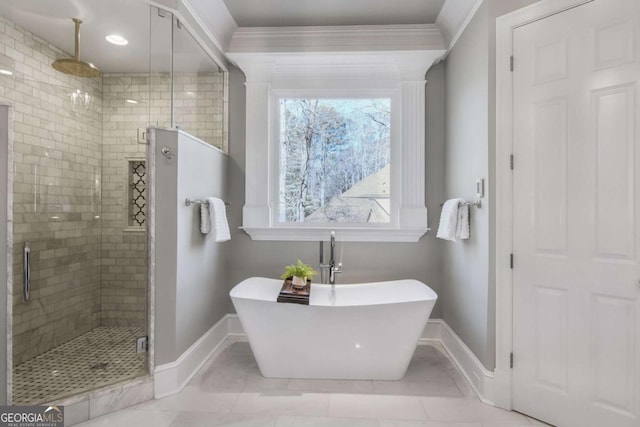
point(362, 261)
point(191, 282)
point(465, 297)
point(469, 294)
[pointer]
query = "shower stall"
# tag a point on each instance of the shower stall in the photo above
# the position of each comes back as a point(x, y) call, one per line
point(78, 306)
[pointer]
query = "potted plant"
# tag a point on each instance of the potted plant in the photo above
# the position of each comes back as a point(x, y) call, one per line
point(299, 273)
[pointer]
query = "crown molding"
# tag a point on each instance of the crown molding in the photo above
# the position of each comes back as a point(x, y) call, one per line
point(394, 65)
point(356, 38)
point(401, 52)
point(214, 17)
point(454, 17)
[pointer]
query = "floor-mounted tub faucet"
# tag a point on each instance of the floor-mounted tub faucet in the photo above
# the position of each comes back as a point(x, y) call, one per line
point(331, 267)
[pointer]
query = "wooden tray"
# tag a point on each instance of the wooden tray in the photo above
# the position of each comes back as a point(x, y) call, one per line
point(292, 295)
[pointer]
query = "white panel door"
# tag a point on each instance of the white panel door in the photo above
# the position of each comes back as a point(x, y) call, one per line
point(576, 337)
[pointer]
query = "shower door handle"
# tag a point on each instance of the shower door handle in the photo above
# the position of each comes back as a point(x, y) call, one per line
point(26, 272)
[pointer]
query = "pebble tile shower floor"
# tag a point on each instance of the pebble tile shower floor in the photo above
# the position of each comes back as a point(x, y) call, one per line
point(103, 356)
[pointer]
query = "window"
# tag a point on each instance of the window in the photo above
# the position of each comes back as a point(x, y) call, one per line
point(305, 177)
point(334, 163)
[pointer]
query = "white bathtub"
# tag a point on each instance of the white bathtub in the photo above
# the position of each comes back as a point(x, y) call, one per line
point(360, 331)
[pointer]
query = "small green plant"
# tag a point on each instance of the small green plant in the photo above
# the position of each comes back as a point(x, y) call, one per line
point(300, 269)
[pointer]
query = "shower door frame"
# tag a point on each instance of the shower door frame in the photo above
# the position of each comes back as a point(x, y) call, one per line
point(8, 198)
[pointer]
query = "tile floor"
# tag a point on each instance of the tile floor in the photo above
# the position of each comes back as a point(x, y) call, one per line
point(105, 355)
point(229, 391)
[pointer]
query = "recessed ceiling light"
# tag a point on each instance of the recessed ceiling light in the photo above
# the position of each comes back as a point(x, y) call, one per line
point(132, 101)
point(116, 39)
point(6, 72)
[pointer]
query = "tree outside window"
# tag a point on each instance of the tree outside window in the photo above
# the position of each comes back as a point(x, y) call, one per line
point(334, 160)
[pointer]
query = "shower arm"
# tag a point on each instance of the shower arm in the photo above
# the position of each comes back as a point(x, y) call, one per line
point(77, 22)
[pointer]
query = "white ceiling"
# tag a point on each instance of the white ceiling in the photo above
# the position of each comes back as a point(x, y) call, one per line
point(283, 13)
point(132, 19)
point(51, 20)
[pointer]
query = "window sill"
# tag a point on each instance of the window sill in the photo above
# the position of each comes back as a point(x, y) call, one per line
point(344, 234)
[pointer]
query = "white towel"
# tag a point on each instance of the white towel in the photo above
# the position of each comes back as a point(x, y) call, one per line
point(219, 224)
point(205, 218)
point(454, 220)
point(462, 225)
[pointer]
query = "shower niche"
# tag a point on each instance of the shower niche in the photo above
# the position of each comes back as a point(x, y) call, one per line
point(76, 181)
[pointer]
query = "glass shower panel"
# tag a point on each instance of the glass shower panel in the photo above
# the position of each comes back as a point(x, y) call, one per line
point(198, 90)
point(160, 68)
point(56, 216)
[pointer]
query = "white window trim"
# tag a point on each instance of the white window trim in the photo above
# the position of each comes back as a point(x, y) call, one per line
point(331, 71)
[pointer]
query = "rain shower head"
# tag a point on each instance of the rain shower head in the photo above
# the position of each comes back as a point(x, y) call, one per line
point(75, 66)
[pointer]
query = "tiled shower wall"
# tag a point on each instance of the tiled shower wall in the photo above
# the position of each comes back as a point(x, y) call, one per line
point(123, 300)
point(56, 202)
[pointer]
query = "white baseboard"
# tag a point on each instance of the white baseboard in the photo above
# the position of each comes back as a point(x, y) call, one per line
point(480, 379)
point(172, 377)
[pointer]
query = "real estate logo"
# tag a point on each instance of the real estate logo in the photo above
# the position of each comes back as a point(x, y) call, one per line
point(31, 416)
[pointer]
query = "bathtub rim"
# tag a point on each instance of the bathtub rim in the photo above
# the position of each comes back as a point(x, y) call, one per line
point(429, 295)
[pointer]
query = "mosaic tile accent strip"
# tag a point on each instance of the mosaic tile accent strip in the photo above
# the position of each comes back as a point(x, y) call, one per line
point(106, 355)
point(137, 188)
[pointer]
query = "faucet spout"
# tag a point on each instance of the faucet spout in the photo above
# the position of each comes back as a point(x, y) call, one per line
point(333, 247)
point(332, 268)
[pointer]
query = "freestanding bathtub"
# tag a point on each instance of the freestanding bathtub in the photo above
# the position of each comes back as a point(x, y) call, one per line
point(359, 331)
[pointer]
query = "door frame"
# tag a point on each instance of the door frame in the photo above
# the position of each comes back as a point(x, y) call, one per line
point(505, 26)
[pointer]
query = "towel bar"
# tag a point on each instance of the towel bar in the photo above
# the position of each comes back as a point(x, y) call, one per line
point(477, 203)
point(189, 202)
